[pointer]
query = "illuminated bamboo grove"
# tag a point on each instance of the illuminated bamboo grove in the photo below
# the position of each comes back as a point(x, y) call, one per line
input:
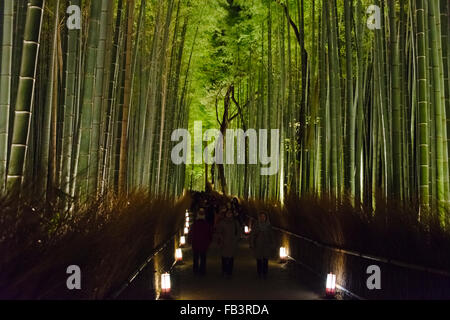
point(358, 88)
point(362, 107)
point(80, 109)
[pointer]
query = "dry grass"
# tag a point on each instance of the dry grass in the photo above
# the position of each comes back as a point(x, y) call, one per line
point(107, 239)
point(392, 231)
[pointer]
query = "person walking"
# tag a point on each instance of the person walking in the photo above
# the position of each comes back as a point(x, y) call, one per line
point(237, 211)
point(219, 214)
point(210, 211)
point(262, 242)
point(200, 237)
point(228, 234)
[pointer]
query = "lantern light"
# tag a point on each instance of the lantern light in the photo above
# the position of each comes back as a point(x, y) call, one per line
point(182, 240)
point(331, 285)
point(187, 213)
point(178, 255)
point(246, 230)
point(186, 230)
point(187, 224)
point(165, 283)
point(187, 219)
point(283, 253)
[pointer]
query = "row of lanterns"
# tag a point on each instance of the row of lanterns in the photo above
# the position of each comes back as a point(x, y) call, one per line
point(330, 288)
point(178, 252)
point(186, 223)
point(165, 277)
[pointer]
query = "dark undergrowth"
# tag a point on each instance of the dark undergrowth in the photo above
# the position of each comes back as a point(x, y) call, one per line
point(108, 240)
point(393, 231)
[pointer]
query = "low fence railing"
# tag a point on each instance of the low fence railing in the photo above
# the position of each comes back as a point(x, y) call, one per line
point(367, 256)
point(145, 265)
point(402, 279)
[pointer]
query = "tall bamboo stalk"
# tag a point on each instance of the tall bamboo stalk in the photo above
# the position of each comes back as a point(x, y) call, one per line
point(439, 100)
point(25, 94)
point(98, 96)
point(422, 102)
point(43, 180)
point(111, 102)
point(127, 98)
point(84, 165)
point(396, 94)
point(351, 110)
point(7, 27)
point(70, 102)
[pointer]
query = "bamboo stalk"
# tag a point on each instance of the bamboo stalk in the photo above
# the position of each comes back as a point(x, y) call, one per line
point(7, 27)
point(25, 95)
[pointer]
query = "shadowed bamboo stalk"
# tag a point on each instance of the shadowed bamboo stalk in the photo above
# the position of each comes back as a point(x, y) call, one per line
point(351, 109)
point(439, 101)
point(7, 26)
point(111, 102)
point(127, 99)
point(396, 95)
point(99, 93)
point(86, 116)
point(69, 107)
point(43, 180)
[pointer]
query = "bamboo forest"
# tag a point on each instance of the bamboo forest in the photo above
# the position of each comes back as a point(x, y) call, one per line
point(117, 117)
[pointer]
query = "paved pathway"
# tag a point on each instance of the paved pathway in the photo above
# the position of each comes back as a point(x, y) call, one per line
point(243, 285)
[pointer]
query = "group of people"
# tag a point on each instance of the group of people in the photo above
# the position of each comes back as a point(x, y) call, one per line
point(223, 223)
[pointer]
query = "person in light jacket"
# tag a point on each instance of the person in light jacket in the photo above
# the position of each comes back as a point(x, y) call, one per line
point(228, 235)
point(262, 242)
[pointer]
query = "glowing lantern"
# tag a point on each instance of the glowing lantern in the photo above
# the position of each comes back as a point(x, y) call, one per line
point(246, 230)
point(186, 230)
point(165, 283)
point(283, 254)
point(331, 285)
point(187, 213)
point(187, 224)
point(178, 255)
point(182, 240)
point(187, 219)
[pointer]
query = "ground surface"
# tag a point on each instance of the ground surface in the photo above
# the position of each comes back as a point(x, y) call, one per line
point(243, 285)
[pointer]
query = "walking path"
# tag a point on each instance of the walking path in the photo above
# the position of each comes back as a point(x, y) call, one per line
point(243, 285)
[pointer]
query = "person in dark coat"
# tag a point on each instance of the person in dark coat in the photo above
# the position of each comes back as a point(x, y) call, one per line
point(210, 211)
point(228, 235)
point(200, 236)
point(237, 211)
point(262, 242)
